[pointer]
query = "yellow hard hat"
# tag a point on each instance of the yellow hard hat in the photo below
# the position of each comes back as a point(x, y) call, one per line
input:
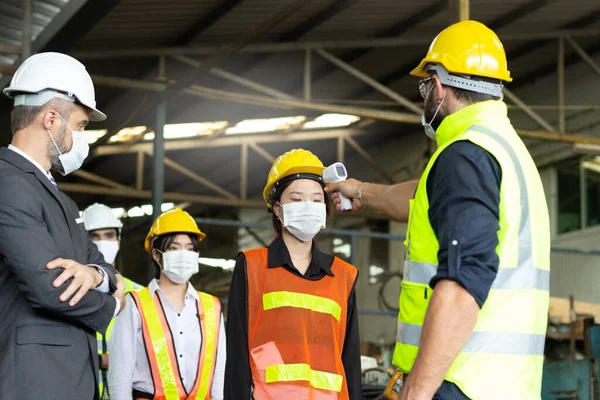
point(467, 48)
point(173, 221)
point(294, 162)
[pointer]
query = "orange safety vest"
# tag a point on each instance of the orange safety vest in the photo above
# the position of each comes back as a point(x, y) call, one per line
point(160, 347)
point(296, 330)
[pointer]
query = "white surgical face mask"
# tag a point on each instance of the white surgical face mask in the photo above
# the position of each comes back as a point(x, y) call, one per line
point(429, 130)
point(304, 219)
point(109, 249)
point(72, 160)
point(180, 265)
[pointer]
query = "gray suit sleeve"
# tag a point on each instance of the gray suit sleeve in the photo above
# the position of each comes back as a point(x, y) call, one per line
point(26, 247)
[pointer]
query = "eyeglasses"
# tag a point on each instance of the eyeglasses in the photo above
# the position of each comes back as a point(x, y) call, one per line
point(423, 87)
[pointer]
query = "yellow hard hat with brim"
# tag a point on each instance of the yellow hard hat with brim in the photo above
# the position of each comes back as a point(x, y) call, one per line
point(173, 221)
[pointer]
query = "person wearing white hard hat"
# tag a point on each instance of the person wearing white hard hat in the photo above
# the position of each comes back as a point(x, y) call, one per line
point(105, 230)
point(56, 289)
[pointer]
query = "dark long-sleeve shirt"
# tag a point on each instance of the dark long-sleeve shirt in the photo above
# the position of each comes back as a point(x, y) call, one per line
point(238, 376)
point(464, 209)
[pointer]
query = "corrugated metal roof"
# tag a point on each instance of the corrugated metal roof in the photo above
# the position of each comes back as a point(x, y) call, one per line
point(11, 22)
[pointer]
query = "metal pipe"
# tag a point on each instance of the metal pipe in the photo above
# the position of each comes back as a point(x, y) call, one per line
point(404, 41)
point(582, 195)
point(353, 245)
point(263, 153)
point(139, 174)
point(158, 164)
point(561, 86)
point(307, 74)
point(6, 48)
point(534, 116)
point(364, 154)
point(370, 81)
point(26, 29)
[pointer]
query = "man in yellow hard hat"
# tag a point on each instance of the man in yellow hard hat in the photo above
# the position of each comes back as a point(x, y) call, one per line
point(474, 299)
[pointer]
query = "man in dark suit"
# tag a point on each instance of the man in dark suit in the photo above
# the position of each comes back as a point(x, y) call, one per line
point(56, 290)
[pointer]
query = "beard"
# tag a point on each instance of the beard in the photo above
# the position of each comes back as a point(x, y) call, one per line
point(54, 152)
point(431, 105)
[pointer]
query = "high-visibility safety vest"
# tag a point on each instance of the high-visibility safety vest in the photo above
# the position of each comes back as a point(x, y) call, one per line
point(160, 347)
point(296, 330)
point(103, 340)
point(504, 355)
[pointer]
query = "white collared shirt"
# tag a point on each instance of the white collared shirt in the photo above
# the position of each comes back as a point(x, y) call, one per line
point(31, 160)
point(128, 366)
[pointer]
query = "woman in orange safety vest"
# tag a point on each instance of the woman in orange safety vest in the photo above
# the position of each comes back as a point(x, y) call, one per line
point(169, 341)
point(292, 319)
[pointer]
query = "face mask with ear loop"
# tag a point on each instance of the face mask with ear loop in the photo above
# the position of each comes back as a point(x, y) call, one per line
point(72, 160)
point(430, 130)
point(180, 265)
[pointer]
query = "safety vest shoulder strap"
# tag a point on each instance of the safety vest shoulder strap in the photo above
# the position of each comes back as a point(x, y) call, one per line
point(159, 347)
point(209, 313)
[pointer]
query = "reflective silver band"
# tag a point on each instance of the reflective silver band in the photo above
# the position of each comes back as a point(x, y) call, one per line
point(484, 342)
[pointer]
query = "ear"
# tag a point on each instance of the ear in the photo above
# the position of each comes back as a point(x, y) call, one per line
point(277, 210)
point(156, 255)
point(502, 96)
point(50, 118)
point(438, 89)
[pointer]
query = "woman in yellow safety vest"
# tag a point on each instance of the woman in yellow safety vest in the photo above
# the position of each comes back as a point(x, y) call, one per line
point(292, 314)
point(169, 341)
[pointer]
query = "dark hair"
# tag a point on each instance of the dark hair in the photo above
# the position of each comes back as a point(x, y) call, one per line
point(163, 242)
point(277, 196)
point(469, 97)
point(23, 116)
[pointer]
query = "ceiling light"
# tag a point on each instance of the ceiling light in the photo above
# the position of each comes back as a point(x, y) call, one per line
point(93, 135)
point(265, 125)
point(127, 134)
point(331, 121)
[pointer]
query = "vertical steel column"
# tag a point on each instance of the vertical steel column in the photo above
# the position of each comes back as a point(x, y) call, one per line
point(340, 149)
point(26, 29)
point(353, 245)
point(463, 10)
point(244, 171)
point(561, 85)
point(583, 195)
point(158, 165)
point(307, 74)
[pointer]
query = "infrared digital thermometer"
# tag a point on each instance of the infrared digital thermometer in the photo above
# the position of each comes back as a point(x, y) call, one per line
point(336, 173)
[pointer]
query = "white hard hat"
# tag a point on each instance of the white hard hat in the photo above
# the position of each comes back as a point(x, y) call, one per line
point(45, 76)
point(99, 216)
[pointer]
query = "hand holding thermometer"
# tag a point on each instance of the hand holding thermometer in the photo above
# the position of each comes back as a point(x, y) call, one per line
point(336, 173)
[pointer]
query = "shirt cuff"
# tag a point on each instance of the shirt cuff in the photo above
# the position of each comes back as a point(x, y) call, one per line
point(117, 308)
point(104, 286)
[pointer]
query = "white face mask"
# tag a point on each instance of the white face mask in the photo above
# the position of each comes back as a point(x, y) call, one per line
point(72, 160)
point(109, 249)
point(429, 130)
point(180, 265)
point(304, 219)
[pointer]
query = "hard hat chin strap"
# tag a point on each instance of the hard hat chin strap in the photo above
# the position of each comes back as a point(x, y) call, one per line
point(41, 98)
point(465, 81)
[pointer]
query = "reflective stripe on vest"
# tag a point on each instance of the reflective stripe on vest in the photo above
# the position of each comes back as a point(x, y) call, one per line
point(484, 342)
point(508, 339)
point(303, 372)
point(161, 350)
point(301, 300)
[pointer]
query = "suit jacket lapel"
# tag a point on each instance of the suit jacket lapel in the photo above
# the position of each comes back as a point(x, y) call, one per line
point(25, 165)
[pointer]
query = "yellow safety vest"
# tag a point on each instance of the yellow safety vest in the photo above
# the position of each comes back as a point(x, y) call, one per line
point(160, 349)
point(503, 358)
point(103, 340)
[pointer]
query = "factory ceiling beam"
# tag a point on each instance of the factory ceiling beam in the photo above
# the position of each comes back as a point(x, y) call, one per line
point(147, 194)
point(370, 81)
point(299, 46)
point(188, 77)
point(233, 140)
point(404, 70)
point(532, 114)
point(584, 55)
point(206, 22)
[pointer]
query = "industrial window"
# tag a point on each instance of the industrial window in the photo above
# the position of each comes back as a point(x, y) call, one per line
point(578, 190)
